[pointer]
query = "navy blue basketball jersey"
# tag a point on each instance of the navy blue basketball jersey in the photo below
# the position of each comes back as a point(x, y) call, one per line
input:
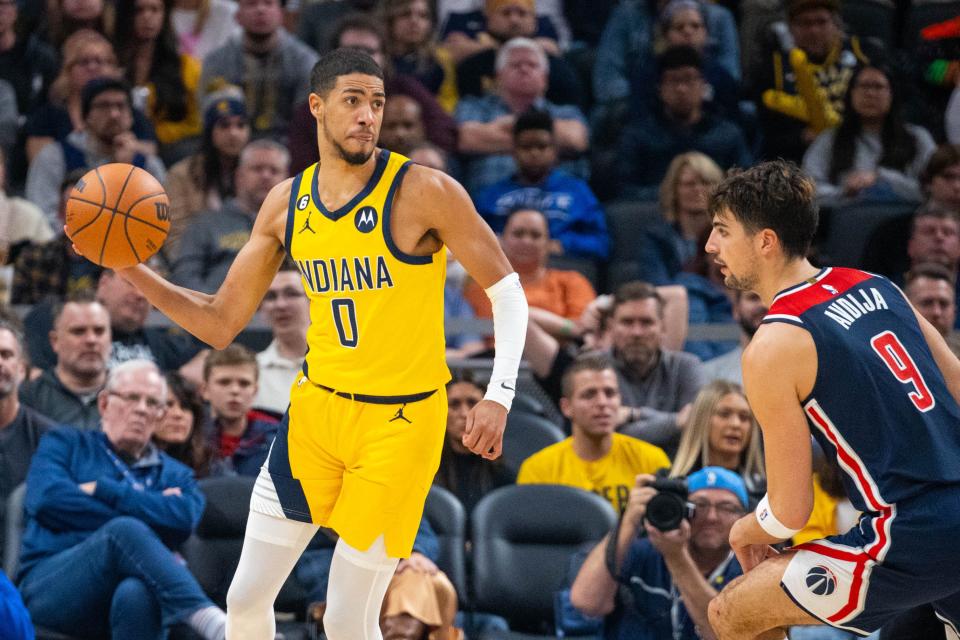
point(880, 403)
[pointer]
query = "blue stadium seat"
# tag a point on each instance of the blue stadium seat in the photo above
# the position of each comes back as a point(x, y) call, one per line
point(449, 521)
point(523, 537)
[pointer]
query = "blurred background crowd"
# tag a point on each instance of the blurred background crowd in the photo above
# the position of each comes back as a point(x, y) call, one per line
point(589, 135)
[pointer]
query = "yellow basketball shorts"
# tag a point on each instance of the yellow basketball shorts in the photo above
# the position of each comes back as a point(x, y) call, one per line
point(360, 467)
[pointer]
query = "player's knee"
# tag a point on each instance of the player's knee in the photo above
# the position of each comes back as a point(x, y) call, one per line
point(339, 623)
point(717, 614)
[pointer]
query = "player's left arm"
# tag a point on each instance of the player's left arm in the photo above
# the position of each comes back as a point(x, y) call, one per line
point(779, 369)
point(446, 211)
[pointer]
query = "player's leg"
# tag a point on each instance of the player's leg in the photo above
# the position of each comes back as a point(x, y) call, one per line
point(358, 582)
point(754, 605)
point(948, 611)
point(271, 546)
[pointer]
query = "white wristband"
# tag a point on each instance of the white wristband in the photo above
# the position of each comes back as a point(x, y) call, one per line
point(769, 523)
point(509, 333)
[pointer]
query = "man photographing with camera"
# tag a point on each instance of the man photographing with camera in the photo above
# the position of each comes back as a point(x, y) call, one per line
point(650, 583)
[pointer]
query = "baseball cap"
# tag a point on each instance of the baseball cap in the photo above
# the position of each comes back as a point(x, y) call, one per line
point(796, 7)
point(719, 478)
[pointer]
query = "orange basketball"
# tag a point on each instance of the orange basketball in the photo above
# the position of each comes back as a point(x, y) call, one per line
point(118, 215)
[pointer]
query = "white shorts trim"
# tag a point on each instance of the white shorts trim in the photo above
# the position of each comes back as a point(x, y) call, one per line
point(830, 582)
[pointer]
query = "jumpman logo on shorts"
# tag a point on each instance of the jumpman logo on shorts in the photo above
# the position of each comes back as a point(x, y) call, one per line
point(399, 416)
point(306, 225)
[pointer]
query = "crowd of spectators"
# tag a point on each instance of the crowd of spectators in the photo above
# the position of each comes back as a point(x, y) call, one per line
point(589, 136)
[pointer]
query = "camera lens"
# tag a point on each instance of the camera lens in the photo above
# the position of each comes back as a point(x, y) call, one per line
point(666, 511)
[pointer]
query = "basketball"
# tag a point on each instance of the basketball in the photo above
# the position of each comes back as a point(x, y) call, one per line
point(117, 215)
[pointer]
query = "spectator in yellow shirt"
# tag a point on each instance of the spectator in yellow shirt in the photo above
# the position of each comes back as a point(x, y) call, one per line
point(595, 457)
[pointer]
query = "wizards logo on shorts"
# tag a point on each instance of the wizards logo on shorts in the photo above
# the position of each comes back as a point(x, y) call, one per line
point(821, 581)
point(365, 219)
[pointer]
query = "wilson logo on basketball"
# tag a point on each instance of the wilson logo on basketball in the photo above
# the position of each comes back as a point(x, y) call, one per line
point(365, 219)
point(821, 581)
point(163, 210)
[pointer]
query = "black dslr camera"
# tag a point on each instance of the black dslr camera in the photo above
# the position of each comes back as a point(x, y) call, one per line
point(669, 507)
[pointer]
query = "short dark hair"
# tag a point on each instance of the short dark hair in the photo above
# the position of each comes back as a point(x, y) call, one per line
point(79, 296)
point(17, 332)
point(932, 271)
point(945, 156)
point(533, 120)
point(678, 57)
point(585, 362)
point(231, 355)
point(341, 62)
point(523, 207)
point(357, 22)
point(774, 195)
point(95, 87)
point(932, 209)
point(634, 291)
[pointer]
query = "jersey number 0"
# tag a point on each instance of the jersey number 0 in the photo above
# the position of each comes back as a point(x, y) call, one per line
point(894, 354)
point(345, 319)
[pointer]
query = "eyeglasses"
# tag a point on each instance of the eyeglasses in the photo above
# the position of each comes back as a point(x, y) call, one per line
point(288, 293)
point(136, 398)
point(109, 105)
point(724, 509)
point(87, 61)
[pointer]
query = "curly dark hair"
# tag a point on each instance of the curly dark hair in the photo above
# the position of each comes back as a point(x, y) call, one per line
point(774, 195)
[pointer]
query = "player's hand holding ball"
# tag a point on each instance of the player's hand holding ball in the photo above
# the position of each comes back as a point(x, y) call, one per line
point(118, 215)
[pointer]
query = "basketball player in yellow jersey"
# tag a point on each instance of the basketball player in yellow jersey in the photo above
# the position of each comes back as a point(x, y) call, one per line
point(361, 441)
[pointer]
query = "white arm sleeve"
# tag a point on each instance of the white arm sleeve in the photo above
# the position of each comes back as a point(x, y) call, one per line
point(510, 316)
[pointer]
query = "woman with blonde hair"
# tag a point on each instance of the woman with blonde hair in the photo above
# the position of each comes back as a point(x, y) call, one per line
point(87, 54)
point(721, 431)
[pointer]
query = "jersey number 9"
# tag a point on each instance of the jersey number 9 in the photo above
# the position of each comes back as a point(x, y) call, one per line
point(894, 354)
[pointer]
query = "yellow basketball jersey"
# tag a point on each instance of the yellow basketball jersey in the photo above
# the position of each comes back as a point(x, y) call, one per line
point(376, 313)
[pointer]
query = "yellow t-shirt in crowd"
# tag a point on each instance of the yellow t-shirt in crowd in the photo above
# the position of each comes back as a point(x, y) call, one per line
point(823, 518)
point(611, 477)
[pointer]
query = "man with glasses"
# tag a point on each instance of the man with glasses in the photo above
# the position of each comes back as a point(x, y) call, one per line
point(657, 584)
point(680, 122)
point(107, 136)
point(104, 511)
point(287, 310)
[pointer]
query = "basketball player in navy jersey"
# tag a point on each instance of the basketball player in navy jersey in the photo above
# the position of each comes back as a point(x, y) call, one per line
point(841, 354)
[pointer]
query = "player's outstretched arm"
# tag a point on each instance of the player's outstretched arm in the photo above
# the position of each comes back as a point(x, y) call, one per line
point(779, 369)
point(217, 318)
point(448, 213)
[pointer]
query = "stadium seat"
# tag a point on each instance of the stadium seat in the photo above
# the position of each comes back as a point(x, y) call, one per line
point(850, 226)
point(213, 552)
point(525, 435)
point(626, 222)
point(528, 404)
point(449, 521)
point(13, 530)
point(523, 537)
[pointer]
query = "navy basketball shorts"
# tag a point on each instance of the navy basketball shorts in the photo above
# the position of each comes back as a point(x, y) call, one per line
point(894, 560)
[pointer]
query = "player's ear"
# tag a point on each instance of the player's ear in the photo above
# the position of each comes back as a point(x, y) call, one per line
point(315, 101)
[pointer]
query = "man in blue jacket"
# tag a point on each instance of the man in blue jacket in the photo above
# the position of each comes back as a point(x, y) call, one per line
point(104, 509)
point(576, 220)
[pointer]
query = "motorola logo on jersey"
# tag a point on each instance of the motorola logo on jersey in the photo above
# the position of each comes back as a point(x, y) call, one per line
point(365, 219)
point(821, 581)
point(303, 202)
